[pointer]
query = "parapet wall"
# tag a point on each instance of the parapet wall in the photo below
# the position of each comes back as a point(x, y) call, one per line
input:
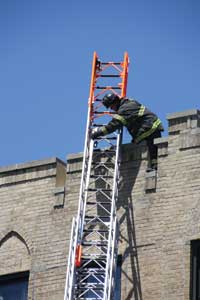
point(158, 215)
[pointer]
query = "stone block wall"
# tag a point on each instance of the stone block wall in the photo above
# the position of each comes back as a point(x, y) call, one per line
point(158, 215)
point(33, 225)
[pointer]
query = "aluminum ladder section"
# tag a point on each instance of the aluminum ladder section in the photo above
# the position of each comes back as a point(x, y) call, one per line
point(93, 246)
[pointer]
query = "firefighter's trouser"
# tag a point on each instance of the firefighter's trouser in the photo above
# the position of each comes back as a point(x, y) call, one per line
point(153, 150)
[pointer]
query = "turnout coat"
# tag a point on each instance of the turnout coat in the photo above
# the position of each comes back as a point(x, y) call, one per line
point(138, 119)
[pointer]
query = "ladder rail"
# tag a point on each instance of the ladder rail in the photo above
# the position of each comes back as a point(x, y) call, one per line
point(87, 145)
point(84, 281)
point(84, 178)
point(75, 232)
point(71, 258)
point(110, 251)
point(125, 75)
point(115, 224)
point(91, 146)
point(114, 260)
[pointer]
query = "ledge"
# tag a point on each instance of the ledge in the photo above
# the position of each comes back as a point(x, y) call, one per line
point(183, 114)
point(74, 162)
point(31, 164)
point(34, 170)
point(180, 121)
point(75, 156)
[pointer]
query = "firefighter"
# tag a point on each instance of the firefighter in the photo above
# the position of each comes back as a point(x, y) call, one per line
point(141, 123)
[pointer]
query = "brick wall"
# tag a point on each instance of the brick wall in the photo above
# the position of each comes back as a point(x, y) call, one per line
point(158, 215)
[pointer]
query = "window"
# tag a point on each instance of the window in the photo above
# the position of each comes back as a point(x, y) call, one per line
point(117, 295)
point(14, 286)
point(195, 270)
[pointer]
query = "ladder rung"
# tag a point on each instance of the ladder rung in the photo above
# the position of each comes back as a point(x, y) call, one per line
point(97, 271)
point(92, 271)
point(108, 63)
point(93, 286)
point(106, 87)
point(95, 230)
point(110, 75)
point(98, 190)
point(99, 217)
point(84, 297)
point(94, 223)
point(106, 138)
point(94, 243)
point(101, 203)
point(92, 258)
point(94, 265)
point(104, 151)
point(101, 176)
point(98, 112)
point(98, 125)
point(103, 163)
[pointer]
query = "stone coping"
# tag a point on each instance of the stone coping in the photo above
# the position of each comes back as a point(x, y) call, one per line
point(183, 114)
point(31, 164)
point(73, 156)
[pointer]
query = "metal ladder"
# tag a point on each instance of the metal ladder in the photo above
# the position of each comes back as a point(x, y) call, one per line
point(92, 256)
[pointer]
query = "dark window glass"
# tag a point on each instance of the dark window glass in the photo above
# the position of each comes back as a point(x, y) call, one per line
point(195, 270)
point(117, 295)
point(14, 287)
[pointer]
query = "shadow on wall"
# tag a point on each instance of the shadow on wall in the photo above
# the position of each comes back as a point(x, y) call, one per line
point(127, 231)
point(125, 208)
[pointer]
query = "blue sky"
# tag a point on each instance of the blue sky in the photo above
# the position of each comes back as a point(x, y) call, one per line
point(46, 52)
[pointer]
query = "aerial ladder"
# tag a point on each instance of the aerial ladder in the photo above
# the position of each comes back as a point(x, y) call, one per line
point(92, 259)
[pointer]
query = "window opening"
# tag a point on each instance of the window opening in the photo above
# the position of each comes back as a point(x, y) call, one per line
point(195, 270)
point(14, 286)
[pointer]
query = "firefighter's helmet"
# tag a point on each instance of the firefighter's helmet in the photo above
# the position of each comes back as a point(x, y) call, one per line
point(110, 99)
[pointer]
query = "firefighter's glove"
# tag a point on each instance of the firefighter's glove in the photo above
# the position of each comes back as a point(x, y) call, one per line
point(96, 132)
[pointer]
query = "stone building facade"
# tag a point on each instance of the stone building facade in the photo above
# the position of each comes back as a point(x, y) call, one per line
point(158, 215)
